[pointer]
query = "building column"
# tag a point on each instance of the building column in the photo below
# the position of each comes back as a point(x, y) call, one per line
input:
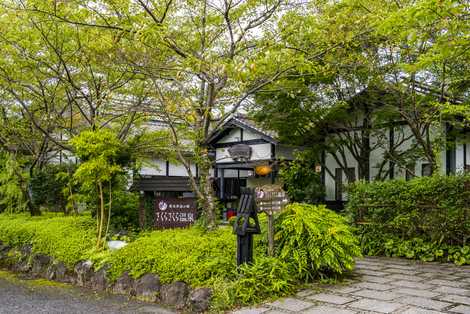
point(222, 183)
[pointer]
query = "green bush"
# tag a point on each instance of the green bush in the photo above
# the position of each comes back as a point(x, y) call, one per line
point(48, 183)
point(425, 218)
point(190, 255)
point(198, 257)
point(125, 210)
point(13, 184)
point(315, 241)
point(300, 180)
point(207, 259)
point(68, 239)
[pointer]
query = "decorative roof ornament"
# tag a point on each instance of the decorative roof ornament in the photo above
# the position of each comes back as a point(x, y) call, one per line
point(240, 152)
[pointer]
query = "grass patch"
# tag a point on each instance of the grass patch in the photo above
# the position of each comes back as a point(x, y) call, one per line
point(13, 278)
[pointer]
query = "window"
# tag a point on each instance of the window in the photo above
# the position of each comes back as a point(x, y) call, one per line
point(410, 171)
point(426, 170)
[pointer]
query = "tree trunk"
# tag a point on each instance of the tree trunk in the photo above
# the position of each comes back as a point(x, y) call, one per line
point(142, 220)
point(207, 198)
point(33, 210)
point(110, 206)
point(101, 216)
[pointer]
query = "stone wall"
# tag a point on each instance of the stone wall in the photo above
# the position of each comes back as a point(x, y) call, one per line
point(146, 288)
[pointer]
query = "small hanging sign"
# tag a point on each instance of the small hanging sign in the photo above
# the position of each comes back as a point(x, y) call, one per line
point(271, 198)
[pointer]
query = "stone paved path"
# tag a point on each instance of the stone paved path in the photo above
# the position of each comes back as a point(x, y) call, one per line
point(384, 285)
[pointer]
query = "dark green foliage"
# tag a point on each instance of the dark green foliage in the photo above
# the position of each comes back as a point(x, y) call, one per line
point(301, 182)
point(315, 241)
point(125, 210)
point(425, 218)
point(267, 277)
point(373, 242)
point(13, 184)
point(48, 186)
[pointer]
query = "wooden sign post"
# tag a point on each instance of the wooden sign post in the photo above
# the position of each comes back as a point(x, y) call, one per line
point(174, 212)
point(271, 199)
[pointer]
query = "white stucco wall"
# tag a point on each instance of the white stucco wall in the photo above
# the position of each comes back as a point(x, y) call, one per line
point(157, 167)
point(233, 136)
point(377, 156)
point(154, 168)
point(250, 135)
point(331, 164)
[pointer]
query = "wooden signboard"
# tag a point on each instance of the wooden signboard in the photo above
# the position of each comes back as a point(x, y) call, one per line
point(270, 199)
point(174, 212)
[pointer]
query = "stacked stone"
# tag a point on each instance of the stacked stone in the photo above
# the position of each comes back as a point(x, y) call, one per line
point(147, 288)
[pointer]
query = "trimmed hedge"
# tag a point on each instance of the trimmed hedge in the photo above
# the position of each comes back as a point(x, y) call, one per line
point(201, 258)
point(68, 239)
point(189, 255)
point(426, 218)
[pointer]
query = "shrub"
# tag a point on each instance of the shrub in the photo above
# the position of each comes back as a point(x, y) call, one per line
point(48, 183)
point(266, 278)
point(301, 182)
point(190, 255)
point(68, 239)
point(315, 241)
point(424, 218)
point(207, 259)
point(125, 213)
point(201, 258)
point(13, 184)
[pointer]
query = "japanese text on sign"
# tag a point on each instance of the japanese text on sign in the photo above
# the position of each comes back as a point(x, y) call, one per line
point(174, 212)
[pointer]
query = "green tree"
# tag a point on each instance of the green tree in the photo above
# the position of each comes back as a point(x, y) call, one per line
point(99, 152)
point(201, 61)
point(415, 54)
point(13, 184)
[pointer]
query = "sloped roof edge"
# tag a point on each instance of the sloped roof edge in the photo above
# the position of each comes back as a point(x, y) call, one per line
point(239, 121)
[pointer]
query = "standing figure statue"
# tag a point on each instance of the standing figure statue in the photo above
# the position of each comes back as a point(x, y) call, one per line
point(246, 224)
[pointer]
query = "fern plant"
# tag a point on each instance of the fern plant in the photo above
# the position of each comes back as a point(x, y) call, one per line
point(316, 241)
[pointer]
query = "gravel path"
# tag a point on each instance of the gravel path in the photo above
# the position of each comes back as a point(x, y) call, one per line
point(28, 297)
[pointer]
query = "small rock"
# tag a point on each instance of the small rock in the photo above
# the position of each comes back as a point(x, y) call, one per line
point(99, 281)
point(40, 263)
point(147, 287)
point(4, 249)
point(175, 294)
point(22, 263)
point(26, 250)
point(57, 272)
point(84, 272)
point(116, 245)
point(124, 284)
point(199, 300)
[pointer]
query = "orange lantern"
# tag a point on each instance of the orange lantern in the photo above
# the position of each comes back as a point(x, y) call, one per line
point(263, 170)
